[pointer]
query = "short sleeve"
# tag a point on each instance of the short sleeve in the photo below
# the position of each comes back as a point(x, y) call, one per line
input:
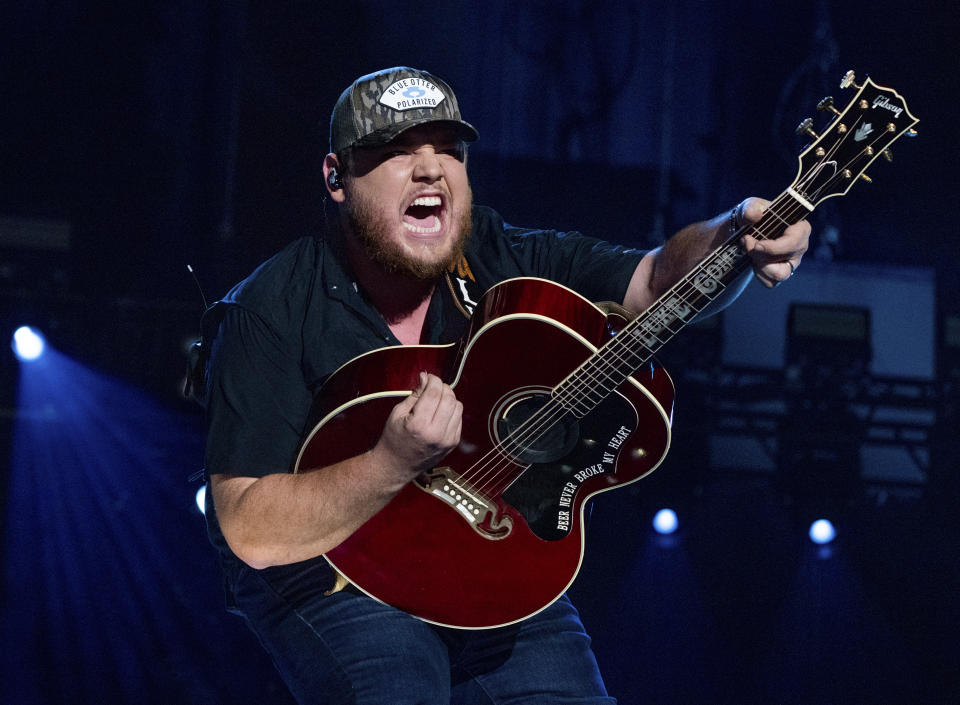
point(594, 268)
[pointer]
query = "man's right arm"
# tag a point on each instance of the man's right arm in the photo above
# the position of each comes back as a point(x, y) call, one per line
point(284, 518)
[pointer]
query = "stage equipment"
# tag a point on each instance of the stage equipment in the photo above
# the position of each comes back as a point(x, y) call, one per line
point(819, 441)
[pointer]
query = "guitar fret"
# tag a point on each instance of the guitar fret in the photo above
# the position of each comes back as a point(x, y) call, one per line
point(639, 340)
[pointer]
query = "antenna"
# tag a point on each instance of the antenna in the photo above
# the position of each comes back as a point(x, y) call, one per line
point(199, 288)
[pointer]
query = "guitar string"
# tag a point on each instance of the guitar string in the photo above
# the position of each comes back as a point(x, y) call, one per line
point(664, 315)
point(534, 427)
point(667, 314)
point(545, 418)
point(598, 379)
point(597, 367)
point(614, 363)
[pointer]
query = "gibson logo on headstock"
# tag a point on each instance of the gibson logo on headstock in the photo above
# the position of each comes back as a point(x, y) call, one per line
point(881, 102)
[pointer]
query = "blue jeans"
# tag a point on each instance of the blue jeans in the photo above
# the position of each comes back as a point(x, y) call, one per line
point(348, 648)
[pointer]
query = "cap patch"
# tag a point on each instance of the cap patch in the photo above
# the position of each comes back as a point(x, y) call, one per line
point(413, 92)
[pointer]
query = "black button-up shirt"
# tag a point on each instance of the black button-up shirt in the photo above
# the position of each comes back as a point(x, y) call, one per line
point(300, 316)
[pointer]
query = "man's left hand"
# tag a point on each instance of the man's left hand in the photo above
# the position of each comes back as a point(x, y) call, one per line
point(774, 261)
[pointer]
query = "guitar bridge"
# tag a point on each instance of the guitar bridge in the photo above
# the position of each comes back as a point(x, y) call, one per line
point(481, 513)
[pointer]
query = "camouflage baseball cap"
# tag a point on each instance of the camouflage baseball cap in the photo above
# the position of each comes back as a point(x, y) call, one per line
point(379, 106)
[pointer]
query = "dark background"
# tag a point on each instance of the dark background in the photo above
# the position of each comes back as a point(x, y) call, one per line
point(138, 138)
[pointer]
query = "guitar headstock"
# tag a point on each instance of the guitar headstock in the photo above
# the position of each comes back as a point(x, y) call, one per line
point(857, 135)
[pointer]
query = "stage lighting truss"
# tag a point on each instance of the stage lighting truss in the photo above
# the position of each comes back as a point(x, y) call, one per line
point(754, 404)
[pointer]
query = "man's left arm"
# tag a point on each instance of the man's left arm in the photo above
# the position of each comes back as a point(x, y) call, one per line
point(773, 260)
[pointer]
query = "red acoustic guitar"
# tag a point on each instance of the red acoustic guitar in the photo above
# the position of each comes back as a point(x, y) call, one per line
point(561, 400)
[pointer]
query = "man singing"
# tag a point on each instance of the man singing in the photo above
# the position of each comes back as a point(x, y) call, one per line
point(397, 170)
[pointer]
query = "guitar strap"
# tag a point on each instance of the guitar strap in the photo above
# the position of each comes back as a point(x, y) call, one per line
point(463, 286)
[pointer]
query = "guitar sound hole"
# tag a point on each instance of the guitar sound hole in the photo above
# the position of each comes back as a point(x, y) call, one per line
point(532, 437)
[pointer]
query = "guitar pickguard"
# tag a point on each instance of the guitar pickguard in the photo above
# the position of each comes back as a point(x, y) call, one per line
point(545, 494)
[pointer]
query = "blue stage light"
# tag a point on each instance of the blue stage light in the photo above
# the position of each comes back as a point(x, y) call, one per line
point(27, 343)
point(201, 499)
point(822, 532)
point(76, 417)
point(665, 522)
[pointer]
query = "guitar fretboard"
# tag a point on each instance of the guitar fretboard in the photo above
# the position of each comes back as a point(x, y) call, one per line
point(639, 340)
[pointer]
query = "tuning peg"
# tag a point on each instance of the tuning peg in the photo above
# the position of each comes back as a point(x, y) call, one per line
point(848, 80)
point(866, 178)
point(911, 132)
point(887, 154)
point(827, 104)
point(806, 128)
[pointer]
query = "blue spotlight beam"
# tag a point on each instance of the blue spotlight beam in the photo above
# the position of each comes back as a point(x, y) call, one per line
point(102, 545)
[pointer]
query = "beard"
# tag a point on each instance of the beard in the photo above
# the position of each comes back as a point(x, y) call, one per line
point(373, 235)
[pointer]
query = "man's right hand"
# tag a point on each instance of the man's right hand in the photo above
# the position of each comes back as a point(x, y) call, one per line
point(287, 517)
point(422, 429)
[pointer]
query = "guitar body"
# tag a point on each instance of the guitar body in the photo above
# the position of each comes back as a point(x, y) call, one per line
point(496, 534)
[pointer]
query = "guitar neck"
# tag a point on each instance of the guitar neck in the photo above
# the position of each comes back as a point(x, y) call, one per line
point(638, 341)
point(829, 167)
point(693, 293)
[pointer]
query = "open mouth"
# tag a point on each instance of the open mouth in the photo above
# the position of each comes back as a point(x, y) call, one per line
point(423, 215)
